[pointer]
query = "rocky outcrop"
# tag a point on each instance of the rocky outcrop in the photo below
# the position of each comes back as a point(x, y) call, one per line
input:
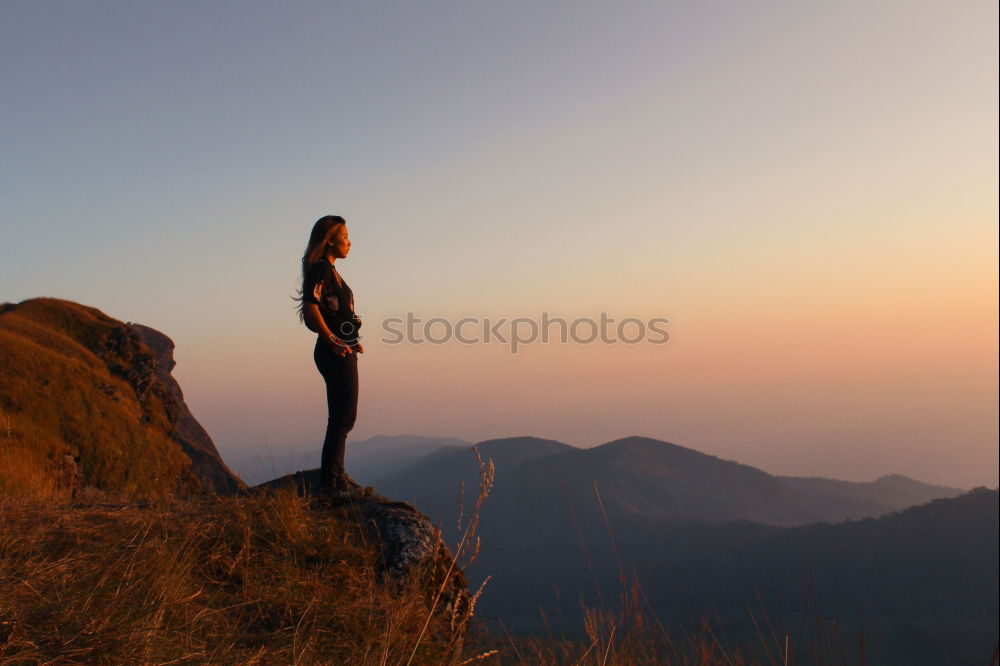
point(80, 387)
point(192, 437)
point(410, 543)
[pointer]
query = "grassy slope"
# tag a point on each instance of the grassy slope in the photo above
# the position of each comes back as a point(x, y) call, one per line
point(265, 579)
point(262, 579)
point(75, 382)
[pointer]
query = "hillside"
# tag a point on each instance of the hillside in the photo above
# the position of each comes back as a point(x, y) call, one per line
point(448, 464)
point(839, 500)
point(642, 478)
point(379, 456)
point(264, 579)
point(434, 482)
point(701, 534)
point(125, 539)
point(86, 402)
point(926, 578)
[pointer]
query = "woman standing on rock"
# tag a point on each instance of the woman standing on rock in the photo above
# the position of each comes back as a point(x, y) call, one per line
point(327, 308)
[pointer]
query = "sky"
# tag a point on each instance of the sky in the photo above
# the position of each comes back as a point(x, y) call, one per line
point(806, 191)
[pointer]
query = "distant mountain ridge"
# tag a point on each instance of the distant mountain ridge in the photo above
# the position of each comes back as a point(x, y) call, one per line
point(704, 534)
point(383, 455)
point(650, 478)
point(446, 465)
point(863, 498)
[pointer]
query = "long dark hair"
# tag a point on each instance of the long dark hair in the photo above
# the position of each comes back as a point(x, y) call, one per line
point(324, 228)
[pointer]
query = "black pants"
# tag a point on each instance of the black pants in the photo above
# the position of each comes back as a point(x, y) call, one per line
point(341, 377)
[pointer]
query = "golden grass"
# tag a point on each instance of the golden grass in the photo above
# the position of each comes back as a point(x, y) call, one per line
point(627, 635)
point(73, 382)
point(236, 581)
point(26, 476)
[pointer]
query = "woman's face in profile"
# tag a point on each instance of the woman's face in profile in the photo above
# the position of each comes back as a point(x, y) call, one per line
point(340, 244)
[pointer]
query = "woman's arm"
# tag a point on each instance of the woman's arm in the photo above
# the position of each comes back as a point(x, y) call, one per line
point(314, 322)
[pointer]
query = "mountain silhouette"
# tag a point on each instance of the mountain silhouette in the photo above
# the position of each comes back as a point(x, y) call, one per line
point(703, 535)
point(639, 476)
point(853, 499)
point(435, 480)
point(382, 455)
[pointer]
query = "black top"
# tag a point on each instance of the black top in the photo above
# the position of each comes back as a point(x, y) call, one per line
point(334, 298)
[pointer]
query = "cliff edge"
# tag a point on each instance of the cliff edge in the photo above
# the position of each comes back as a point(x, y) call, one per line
point(88, 401)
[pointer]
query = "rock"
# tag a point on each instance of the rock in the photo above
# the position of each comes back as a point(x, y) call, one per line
point(410, 543)
point(192, 437)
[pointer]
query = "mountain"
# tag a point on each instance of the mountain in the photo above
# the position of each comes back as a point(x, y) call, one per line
point(660, 480)
point(647, 478)
point(433, 483)
point(87, 400)
point(850, 499)
point(383, 455)
point(506, 453)
point(262, 578)
point(702, 535)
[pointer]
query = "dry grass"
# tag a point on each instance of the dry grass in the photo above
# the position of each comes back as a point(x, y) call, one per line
point(259, 580)
point(75, 382)
point(627, 633)
point(273, 578)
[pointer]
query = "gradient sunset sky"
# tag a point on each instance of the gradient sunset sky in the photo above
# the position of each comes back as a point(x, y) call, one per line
point(808, 191)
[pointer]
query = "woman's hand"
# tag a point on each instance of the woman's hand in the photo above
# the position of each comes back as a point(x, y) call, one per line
point(338, 347)
point(360, 348)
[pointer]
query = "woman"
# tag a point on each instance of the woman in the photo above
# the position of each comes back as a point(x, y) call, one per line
point(327, 308)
